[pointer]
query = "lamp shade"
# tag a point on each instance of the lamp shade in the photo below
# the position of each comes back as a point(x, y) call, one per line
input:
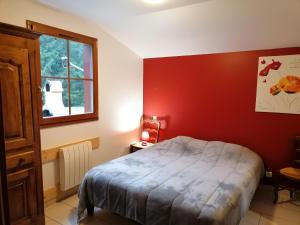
point(145, 136)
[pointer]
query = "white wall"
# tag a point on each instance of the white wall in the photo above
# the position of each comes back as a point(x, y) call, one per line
point(120, 87)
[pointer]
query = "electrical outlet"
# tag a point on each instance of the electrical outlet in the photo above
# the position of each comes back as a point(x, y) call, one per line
point(269, 174)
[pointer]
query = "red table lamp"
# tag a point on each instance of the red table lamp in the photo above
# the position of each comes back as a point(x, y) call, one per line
point(145, 137)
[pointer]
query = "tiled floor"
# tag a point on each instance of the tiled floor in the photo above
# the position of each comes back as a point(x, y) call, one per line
point(262, 212)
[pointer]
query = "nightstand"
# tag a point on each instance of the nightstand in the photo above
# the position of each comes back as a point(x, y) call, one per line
point(138, 146)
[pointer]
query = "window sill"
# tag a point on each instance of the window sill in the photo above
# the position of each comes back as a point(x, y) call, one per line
point(67, 120)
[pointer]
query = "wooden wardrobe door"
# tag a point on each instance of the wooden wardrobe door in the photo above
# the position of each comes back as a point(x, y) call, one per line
point(16, 97)
point(4, 214)
point(22, 197)
point(19, 68)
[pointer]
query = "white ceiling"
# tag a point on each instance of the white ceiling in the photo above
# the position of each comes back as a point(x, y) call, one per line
point(186, 27)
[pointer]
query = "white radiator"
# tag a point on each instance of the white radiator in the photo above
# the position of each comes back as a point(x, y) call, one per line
point(74, 160)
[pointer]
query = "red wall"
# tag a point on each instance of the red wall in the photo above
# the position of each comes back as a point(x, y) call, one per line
point(212, 97)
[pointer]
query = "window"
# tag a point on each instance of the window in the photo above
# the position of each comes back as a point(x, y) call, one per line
point(69, 79)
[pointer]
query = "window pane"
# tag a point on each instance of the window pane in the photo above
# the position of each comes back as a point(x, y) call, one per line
point(53, 56)
point(81, 97)
point(81, 60)
point(55, 97)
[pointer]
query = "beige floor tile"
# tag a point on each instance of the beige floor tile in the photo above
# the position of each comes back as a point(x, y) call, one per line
point(290, 205)
point(262, 212)
point(284, 210)
point(62, 213)
point(46, 219)
point(102, 217)
point(97, 219)
point(265, 193)
point(275, 221)
point(71, 201)
point(263, 203)
point(251, 218)
point(51, 222)
point(274, 210)
point(265, 221)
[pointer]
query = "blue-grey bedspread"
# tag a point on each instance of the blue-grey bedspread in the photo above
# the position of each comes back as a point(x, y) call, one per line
point(181, 181)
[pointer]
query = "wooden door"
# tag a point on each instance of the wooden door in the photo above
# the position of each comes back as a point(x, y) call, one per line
point(22, 197)
point(4, 216)
point(18, 132)
point(16, 99)
point(19, 66)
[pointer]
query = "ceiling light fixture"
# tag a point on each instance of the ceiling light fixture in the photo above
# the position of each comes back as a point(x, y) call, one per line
point(153, 2)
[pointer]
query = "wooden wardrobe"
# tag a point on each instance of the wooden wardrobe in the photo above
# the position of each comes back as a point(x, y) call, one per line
point(22, 192)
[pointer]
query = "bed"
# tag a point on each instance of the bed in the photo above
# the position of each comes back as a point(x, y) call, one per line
point(181, 181)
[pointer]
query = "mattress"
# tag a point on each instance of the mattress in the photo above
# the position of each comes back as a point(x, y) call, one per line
point(181, 181)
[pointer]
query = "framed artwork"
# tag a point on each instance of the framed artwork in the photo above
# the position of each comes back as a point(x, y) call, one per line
point(278, 84)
